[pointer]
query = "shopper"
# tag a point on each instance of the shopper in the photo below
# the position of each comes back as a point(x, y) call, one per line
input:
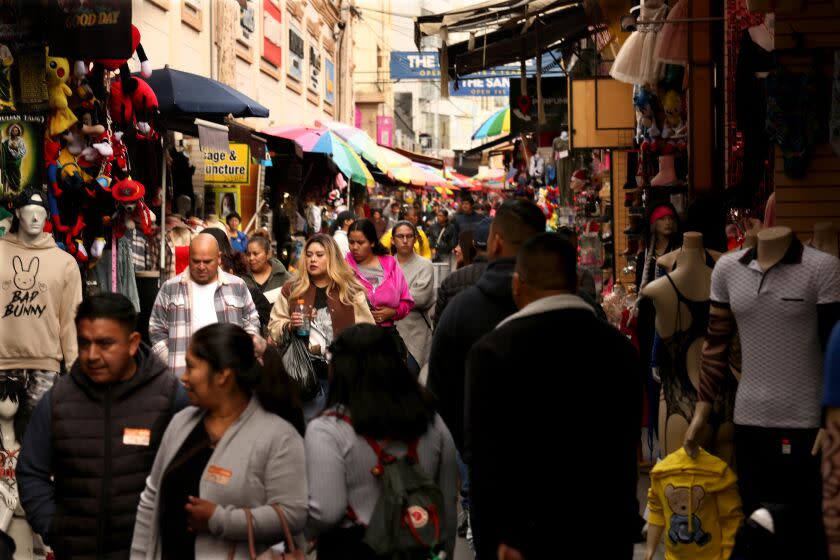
point(387, 289)
point(380, 223)
point(265, 273)
point(393, 215)
point(421, 243)
point(416, 328)
point(92, 439)
point(230, 451)
point(468, 275)
point(372, 395)
point(342, 224)
point(238, 239)
point(199, 296)
point(552, 329)
point(478, 309)
point(329, 287)
point(443, 236)
point(467, 218)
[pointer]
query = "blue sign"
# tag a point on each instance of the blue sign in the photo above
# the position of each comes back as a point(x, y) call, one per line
point(425, 65)
point(329, 86)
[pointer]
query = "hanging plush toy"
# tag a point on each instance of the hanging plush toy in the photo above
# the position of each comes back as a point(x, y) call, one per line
point(646, 128)
point(674, 126)
point(129, 195)
point(137, 110)
point(101, 65)
point(61, 117)
point(67, 222)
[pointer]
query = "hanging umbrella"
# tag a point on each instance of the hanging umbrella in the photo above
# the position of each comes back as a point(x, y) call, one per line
point(185, 94)
point(498, 123)
point(322, 141)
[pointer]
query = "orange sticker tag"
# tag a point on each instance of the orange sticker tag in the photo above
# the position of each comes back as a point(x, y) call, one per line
point(218, 474)
point(137, 436)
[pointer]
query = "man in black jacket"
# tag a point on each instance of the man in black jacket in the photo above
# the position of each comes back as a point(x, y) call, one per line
point(93, 437)
point(522, 379)
point(475, 311)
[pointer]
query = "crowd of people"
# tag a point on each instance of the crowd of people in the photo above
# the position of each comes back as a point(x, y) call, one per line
point(206, 443)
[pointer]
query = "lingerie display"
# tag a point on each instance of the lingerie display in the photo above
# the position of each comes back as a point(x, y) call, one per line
point(635, 63)
point(679, 392)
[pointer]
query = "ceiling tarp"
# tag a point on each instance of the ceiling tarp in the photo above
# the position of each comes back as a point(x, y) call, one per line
point(487, 145)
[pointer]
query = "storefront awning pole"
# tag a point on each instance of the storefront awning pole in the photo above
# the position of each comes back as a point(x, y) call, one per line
point(163, 214)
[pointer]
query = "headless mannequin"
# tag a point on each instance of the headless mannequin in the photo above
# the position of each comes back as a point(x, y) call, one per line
point(772, 244)
point(825, 239)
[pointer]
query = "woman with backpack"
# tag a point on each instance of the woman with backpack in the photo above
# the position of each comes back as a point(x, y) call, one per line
point(377, 411)
point(335, 298)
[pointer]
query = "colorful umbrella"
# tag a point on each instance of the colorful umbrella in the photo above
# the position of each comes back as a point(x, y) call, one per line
point(323, 141)
point(415, 174)
point(359, 141)
point(498, 123)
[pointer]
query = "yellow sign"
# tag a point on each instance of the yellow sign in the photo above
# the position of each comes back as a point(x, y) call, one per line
point(232, 167)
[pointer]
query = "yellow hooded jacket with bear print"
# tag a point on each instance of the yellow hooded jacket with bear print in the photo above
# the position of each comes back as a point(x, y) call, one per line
point(697, 502)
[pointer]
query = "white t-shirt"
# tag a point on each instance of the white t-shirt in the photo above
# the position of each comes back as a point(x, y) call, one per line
point(203, 304)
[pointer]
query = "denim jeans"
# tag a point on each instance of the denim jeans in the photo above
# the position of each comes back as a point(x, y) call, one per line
point(464, 475)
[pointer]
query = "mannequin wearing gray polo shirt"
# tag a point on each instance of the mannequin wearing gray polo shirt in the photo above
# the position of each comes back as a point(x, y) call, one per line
point(785, 298)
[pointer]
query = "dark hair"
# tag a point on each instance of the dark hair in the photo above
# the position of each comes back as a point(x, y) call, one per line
point(518, 220)
point(413, 228)
point(468, 198)
point(369, 231)
point(340, 219)
point(370, 379)
point(13, 386)
point(225, 248)
point(465, 242)
point(113, 306)
point(375, 210)
point(548, 261)
point(224, 345)
point(231, 216)
point(262, 241)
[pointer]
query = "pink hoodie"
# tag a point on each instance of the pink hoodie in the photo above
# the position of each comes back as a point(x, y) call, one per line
point(392, 292)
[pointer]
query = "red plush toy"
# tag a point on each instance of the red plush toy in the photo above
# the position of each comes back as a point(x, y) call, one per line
point(137, 110)
point(100, 65)
point(129, 194)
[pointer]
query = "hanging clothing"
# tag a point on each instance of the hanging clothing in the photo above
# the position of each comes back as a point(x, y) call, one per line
point(697, 502)
point(792, 118)
point(672, 41)
point(635, 63)
point(126, 279)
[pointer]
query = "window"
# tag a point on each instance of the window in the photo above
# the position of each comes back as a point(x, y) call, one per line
point(297, 51)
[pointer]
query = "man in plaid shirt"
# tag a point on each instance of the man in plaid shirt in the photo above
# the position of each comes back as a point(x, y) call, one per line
point(199, 296)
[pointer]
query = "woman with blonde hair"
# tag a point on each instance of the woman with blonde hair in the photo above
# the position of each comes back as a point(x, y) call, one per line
point(334, 298)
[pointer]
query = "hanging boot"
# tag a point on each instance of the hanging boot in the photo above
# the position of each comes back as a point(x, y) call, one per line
point(666, 176)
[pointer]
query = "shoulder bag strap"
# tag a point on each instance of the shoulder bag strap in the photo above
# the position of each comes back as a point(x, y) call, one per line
point(249, 521)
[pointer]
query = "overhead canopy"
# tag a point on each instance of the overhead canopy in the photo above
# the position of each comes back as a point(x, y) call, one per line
point(183, 96)
point(488, 145)
point(505, 32)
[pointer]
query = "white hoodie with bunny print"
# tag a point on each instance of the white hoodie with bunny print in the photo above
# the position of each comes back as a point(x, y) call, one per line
point(40, 289)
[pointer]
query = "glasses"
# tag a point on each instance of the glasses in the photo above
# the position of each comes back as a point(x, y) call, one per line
point(404, 236)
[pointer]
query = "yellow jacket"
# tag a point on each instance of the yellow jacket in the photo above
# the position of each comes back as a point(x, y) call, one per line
point(697, 502)
point(425, 253)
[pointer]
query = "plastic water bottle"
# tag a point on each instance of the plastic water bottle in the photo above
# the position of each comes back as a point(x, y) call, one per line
point(301, 307)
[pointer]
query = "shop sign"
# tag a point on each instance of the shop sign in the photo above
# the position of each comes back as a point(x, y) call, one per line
point(385, 130)
point(329, 81)
point(296, 53)
point(314, 69)
point(90, 29)
point(21, 152)
point(232, 167)
point(272, 47)
point(523, 108)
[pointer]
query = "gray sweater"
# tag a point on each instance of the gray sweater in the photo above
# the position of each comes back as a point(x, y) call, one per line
point(414, 329)
point(259, 461)
point(338, 465)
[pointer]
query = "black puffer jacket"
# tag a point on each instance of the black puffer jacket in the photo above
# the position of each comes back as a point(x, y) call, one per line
point(457, 282)
point(99, 443)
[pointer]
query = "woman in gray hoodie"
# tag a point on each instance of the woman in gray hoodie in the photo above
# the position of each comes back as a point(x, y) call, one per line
point(230, 452)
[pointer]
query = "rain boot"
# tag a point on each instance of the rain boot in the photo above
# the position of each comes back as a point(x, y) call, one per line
point(666, 176)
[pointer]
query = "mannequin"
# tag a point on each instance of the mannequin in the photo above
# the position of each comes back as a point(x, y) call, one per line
point(825, 238)
point(13, 416)
point(40, 289)
point(784, 297)
point(681, 323)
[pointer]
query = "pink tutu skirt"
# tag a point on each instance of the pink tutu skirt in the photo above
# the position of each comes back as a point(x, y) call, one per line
point(672, 41)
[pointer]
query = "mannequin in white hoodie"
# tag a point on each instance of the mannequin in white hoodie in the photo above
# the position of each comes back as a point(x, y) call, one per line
point(40, 289)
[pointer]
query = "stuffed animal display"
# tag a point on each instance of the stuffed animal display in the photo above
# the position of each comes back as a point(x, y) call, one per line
point(91, 110)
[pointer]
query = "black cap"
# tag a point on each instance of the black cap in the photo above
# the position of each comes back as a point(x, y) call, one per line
point(26, 198)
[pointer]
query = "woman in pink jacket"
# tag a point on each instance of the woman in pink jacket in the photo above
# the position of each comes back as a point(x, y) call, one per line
point(379, 273)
